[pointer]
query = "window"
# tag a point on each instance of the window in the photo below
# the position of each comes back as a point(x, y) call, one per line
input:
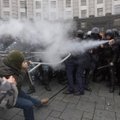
point(100, 12)
point(83, 2)
point(83, 13)
point(83, 25)
point(6, 14)
point(116, 9)
point(22, 4)
point(38, 4)
point(117, 22)
point(22, 14)
point(68, 3)
point(53, 4)
point(99, 1)
point(5, 3)
point(38, 14)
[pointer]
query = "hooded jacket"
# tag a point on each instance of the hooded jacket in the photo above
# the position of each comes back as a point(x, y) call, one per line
point(12, 65)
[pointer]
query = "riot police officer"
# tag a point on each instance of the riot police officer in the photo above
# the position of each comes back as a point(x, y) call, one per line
point(75, 69)
point(95, 33)
point(111, 53)
point(95, 52)
point(116, 40)
point(80, 34)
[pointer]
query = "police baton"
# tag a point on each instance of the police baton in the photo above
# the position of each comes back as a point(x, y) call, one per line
point(102, 67)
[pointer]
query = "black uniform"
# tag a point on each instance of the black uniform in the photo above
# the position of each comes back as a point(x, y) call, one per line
point(111, 57)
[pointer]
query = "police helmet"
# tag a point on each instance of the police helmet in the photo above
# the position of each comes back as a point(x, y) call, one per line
point(95, 33)
point(89, 33)
point(109, 32)
point(80, 34)
point(115, 32)
point(95, 30)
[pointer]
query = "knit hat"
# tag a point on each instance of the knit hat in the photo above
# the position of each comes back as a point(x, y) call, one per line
point(15, 59)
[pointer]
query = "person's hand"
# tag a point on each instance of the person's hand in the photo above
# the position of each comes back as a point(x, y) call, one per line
point(102, 46)
point(11, 79)
point(111, 63)
point(29, 62)
point(44, 101)
point(111, 42)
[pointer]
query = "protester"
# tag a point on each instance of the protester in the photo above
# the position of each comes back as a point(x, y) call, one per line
point(13, 65)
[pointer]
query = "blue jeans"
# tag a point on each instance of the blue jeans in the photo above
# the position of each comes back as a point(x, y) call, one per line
point(25, 102)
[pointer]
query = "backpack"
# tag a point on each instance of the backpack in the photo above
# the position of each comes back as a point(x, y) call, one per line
point(8, 94)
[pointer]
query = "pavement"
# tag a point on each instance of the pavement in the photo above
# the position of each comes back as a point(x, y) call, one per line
point(96, 105)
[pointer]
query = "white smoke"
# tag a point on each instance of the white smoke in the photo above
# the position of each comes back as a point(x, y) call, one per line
point(55, 52)
point(13, 28)
point(53, 36)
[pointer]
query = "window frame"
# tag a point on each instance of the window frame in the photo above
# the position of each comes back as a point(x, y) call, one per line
point(99, 12)
point(38, 4)
point(85, 15)
point(68, 4)
point(99, 1)
point(22, 4)
point(83, 3)
point(53, 6)
point(6, 3)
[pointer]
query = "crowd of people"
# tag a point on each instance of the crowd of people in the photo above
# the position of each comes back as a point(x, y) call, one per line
point(102, 63)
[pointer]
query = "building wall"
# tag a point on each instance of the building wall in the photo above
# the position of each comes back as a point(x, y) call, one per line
point(5, 10)
point(30, 9)
point(116, 6)
point(61, 11)
point(83, 8)
point(108, 6)
point(0, 9)
point(45, 8)
point(68, 11)
point(75, 8)
point(99, 6)
point(53, 9)
point(91, 7)
point(14, 9)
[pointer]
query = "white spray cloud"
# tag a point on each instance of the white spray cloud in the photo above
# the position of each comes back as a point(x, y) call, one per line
point(13, 28)
point(51, 35)
point(55, 52)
